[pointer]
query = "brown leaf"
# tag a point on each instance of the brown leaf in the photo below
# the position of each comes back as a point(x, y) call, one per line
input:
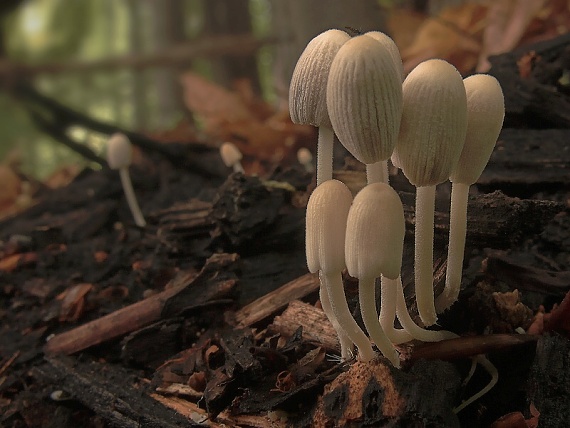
point(10, 263)
point(73, 302)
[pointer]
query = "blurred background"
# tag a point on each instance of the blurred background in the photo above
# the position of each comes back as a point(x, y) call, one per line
point(166, 67)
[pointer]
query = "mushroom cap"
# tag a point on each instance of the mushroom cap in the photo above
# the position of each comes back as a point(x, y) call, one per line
point(364, 99)
point(230, 154)
point(307, 91)
point(434, 123)
point(389, 44)
point(304, 156)
point(327, 211)
point(375, 233)
point(485, 114)
point(119, 151)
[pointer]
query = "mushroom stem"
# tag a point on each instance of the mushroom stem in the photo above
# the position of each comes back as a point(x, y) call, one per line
point(325, 154)
point(423, 262)
point(388, 311)
point(410, 326)
point(377, 172)
point(346, 345)
point(131, 198)
point(456, 248)
point(342, 313)
point(367, 298)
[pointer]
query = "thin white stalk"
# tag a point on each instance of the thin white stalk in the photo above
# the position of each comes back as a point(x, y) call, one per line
point(456, 247)
point(367, 298)
point(131, 198)
point(346, 345)
point(377, 172)
point(492, 370)
point(423, 264)
point(342, 313)
point(388, 312)
point(410, 326)
point(237, 167)
point(325, 154)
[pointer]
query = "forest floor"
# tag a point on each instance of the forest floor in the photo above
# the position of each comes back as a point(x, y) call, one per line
point(207, 316)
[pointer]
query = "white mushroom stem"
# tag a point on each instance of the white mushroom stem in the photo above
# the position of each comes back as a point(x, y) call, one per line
point(325, 154)
point(377, 172)
point(423, 255)
point(131, 198)
point(346, 346)
point(367, 299)
point(492, 370)
point(389, 301)
point(456, 249)
point(335, 290)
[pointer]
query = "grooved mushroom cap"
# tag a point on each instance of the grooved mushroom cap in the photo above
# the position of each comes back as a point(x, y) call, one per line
point(485, 114)
point(119, 151)
point(230, 154)
point(364, 99)
point(327, 210)
point(307, 92)
point(375, 233)
point(389, 44)
point(434, 123)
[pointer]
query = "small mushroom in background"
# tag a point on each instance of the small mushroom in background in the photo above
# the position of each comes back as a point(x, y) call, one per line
point(432, 133)
point(374, 245)
point(327, 212)
point(364, 100)
point(119, 156)
point(485, 114)
point(305, 158)
point(308, 92)
point(231, 156)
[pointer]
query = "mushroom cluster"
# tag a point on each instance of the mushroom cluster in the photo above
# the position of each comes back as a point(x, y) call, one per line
point(433, 125)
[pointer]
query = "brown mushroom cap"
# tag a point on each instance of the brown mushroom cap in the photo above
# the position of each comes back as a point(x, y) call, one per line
point(307, 91)
point(434, 123)
point(485, 114)
point(364, 99)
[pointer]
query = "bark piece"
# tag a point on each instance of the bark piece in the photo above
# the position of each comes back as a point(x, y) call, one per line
point(376, 394)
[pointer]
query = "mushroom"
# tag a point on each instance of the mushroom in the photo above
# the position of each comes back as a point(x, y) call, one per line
point(485, 114)
point(305, 158)
point(364, 100)
point(231, 156)
point(374, 243)
point(432, 133)
point(119, 155)
point(308, 92)
point(327, 212)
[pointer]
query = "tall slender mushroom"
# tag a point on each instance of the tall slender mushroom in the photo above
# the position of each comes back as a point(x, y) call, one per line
point(327, 211)
point(119, 156)
point(432, 133)
point(364, 100)
point(308, 92)
point(485, 114)
point(374, 243)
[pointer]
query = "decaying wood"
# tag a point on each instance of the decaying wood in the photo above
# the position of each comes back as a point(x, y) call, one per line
point(209, 285)
point(549, 381)
point(276, 300)
point(501, 267)
point(529, 77)
point(317, 328)
point(114, 395)
point(377, 394)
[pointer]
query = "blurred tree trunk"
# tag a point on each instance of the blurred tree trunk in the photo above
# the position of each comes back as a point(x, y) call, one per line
point(166, 28)
point(137, 89)
point(231, 17)
point(296, 22)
